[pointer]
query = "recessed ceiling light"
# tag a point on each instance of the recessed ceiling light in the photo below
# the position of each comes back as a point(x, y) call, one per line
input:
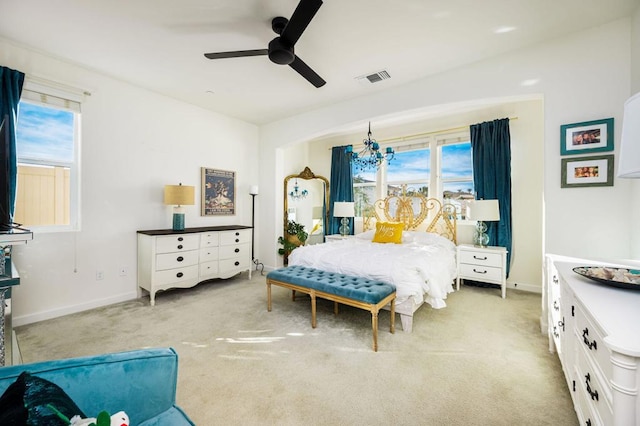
point(209, 92)
point(530, 82)
point(503, 30)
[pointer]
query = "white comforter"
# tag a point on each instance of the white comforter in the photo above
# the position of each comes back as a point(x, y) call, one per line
point(422, 267)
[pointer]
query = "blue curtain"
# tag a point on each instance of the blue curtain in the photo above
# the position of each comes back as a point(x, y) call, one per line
point(11, 82)
point(491, 152)
point(340, 186)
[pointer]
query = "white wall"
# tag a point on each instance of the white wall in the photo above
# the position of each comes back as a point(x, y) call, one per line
point(577, 221)
point(635, 88)
point(133, 143)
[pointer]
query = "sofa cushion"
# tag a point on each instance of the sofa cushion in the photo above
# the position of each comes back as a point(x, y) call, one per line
point(29, 399)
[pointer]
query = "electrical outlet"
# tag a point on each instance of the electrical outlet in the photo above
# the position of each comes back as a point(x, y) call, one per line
point(123, 271)
point(99, 275)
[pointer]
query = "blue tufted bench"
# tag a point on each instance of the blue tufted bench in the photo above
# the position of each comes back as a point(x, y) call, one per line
point(358, 292)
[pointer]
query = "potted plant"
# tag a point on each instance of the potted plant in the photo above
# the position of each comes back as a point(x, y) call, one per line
point(294, 237)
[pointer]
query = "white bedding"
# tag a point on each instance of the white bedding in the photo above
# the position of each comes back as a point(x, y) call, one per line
point(422, 267)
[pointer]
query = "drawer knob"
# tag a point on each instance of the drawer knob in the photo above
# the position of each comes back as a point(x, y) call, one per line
point(479, 258)
point(180, 258)
point(237, 233)
point(555, 305)
point(179, 274)
point(555, 279)
point(479, 272)
point(594, 393)
point(591, 345)
point(237, 240)
point(180, 239)
point(179, 246)
point(237, 263)
point(237, 250)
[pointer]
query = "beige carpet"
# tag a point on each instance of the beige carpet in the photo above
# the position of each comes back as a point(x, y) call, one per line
point(480, 361)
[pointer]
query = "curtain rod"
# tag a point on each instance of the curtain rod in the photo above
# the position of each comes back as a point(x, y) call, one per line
point(433, 132)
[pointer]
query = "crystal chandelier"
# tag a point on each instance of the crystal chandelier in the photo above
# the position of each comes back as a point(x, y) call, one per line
point(370, 157)
point(296, 194)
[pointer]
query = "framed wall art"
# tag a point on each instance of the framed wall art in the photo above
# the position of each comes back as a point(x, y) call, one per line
point(596, 170)
point(588, 136)
point(218, 192)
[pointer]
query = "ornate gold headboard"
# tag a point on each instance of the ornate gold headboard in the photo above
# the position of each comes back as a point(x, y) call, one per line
point(412, 210)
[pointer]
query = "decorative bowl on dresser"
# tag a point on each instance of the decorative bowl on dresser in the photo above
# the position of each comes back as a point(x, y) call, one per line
point(181, 259)
point(595, 329)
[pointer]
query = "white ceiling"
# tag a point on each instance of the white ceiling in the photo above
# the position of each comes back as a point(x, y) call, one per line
point(159, 44)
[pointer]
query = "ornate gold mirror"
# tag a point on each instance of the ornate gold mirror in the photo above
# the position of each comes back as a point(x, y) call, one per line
point(306, 202)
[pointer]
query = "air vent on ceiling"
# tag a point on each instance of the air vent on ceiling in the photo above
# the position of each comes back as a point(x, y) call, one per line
point(374, 77)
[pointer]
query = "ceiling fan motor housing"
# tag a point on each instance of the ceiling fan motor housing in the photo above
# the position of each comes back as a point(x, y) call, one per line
point(280, 53)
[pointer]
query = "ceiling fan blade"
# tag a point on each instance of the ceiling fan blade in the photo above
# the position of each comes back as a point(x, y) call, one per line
point(305, 11)
point(305, 71)
point(236, 54)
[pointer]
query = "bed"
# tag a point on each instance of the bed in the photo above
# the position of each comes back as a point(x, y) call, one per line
point(421, 265)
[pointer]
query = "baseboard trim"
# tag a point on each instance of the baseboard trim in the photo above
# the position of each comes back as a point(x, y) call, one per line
point(525, 287)
point(67, 310)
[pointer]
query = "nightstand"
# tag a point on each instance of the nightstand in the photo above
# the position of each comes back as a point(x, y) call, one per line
point(486, 264)
point(337, 237)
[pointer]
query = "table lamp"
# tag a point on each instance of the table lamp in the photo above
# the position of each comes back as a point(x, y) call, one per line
point(345, 210)
point(629, 165)
point(178, 196)
point(483, 211)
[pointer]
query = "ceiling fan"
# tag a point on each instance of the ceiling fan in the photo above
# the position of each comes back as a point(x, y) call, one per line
point(280, 50)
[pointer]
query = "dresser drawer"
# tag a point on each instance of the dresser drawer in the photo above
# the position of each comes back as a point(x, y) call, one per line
point(178, 275)
point(239, 264)
point(238, 250)
point(596, 393)
point(240, 236)
point(176, 260)
point(591, 339)
point(208, 269)
point(584, 408)
point(481, 273)
point(209, 239)
point(481, 258)
point(209, 254)
point(173, 243)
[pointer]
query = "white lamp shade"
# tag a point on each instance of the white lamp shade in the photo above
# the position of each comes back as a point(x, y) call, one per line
point(484, 210)
point(179, 195)
point(253, 190)
point(629, 164)
point(343, 209)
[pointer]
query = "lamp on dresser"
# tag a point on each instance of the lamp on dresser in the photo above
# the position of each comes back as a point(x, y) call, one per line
point(178, 196)
point(629, 164)
point(253, 191)
point(483, 211)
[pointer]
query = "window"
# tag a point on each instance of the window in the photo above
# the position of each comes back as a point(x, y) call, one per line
point(433, 166)
point(47, 136)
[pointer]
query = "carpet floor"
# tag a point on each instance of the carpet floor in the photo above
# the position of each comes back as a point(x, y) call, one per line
point(482, 360)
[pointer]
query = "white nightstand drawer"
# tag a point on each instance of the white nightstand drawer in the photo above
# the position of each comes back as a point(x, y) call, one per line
point(238, 250)
point(209, 239)
point(481, 258)
point(176, 260)
point(240, 236)
point(176, 275)
point(481, 273)
point(180, 242)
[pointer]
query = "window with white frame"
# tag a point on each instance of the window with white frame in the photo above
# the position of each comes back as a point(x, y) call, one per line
point(47, 140)
point(438, 166)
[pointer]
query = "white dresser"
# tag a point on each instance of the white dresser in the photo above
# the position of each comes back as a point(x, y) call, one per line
point(595, 330)
point(485, 264)
point(181, 259)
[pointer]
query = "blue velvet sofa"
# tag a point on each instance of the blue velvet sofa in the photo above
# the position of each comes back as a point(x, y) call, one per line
point(141, 383)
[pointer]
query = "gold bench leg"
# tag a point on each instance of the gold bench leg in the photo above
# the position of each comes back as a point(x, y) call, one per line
point(268, 296)
point(374, 324)
point(313, 309)
point(335, 308)
point(393, 316)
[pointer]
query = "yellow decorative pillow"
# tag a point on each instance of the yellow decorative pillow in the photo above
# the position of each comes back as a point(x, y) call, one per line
point(388, 232)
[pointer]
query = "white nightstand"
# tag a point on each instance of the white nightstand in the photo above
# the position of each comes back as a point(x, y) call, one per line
point(486, 264)
point(337, 237)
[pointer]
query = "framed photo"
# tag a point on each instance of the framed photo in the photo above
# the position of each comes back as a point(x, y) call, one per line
point(589, 136)
point(596, 170)
point(218, 192)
